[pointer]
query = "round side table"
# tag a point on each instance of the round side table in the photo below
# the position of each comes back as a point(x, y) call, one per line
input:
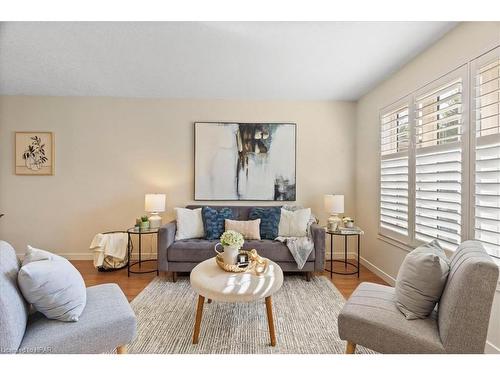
point(344, 261)
point(140, 262)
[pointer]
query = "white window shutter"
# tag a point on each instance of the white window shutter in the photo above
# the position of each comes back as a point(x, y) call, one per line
point(486, 142)
point(394, 144)
point(439, 125)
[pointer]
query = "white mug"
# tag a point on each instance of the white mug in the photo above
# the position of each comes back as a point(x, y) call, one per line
point(229, 255)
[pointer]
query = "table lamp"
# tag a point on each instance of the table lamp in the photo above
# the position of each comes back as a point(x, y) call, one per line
point(154, 203)
point(334, 205)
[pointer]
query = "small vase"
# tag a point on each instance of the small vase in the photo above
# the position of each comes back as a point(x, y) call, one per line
point(334, 222)
point(230, 254)
point(145, 225)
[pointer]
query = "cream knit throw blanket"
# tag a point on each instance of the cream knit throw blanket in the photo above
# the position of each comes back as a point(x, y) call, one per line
point(300, 247)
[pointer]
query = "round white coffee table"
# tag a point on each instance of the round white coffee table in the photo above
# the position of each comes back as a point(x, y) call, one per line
point(213, 283)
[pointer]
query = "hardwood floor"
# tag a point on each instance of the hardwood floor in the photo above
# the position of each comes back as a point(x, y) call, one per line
point(134, 284)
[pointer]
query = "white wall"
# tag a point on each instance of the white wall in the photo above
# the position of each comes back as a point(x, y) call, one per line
point(466, 41)
point(110, 152)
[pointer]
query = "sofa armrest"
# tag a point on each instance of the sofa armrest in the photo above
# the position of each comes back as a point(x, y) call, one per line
point(166, 237)
point(318, 235)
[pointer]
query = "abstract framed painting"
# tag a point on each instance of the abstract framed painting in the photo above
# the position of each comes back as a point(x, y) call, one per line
point(34, 153)
point(245, 161)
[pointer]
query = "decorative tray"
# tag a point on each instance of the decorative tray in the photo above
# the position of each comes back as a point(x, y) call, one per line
point(234, 267)
point(255, 263)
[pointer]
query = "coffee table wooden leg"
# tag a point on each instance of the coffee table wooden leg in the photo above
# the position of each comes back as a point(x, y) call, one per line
point(270, 321)
point(197, 323)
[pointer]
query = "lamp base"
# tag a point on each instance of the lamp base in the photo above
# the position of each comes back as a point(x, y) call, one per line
point(154, 220)
point(334, 222)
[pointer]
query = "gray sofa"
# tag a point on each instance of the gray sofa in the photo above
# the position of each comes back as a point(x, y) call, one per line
point(183, 256)
point(370, 317)
point(107, 322)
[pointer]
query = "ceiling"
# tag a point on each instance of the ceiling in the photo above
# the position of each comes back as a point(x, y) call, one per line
point(230, 60)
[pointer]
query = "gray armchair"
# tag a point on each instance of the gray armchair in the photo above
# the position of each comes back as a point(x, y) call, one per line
point(107, 322)
point(370, 317)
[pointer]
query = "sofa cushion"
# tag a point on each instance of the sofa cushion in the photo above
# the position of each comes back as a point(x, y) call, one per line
point(13, 307)
point(200, 250)
point(213, 221)
point(52, 285)
point(370, 318)
point(421, 280)
point(189, 223)
point(275, 250)
point(269, 221)
point(294, 223)
point(106, 322)
point(250, 229)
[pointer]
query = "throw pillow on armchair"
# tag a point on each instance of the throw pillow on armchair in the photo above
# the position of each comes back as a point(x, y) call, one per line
point(421, 280)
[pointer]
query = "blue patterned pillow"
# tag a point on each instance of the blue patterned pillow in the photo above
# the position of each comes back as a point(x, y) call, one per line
point(213, 221)
point(269, 221)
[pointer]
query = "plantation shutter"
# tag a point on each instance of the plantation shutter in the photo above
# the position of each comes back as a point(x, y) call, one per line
point(394, 144)
point(486, 126)
point(438, 162)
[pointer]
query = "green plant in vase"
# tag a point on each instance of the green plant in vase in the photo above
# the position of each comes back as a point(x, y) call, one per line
point(144, 222)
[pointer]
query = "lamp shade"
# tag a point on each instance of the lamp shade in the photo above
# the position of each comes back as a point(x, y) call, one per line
point(154, 203)
point(334, 204)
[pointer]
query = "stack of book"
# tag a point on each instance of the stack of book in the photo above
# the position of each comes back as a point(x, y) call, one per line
point(352, 230)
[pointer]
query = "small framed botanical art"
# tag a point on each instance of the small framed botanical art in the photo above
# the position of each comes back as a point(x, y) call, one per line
point(34, 153)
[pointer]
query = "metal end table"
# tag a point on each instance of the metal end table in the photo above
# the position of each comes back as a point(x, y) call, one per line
point(345, 261)
point(139, 232)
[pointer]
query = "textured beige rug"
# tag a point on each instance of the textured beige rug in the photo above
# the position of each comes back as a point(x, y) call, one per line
point(305, 316)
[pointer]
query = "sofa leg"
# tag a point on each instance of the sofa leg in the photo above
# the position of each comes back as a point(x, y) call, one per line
point(174, 277)
point(122, 349)
point(308, 276)
point(350, 348)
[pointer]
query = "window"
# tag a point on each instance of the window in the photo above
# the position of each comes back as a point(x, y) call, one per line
point(438, 163)
point(424, 169)
point(394, 144)
point(486, 156)
point(440, 177)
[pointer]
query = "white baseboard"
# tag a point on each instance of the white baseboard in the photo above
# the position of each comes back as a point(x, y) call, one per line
point(491, 349)
point(379, 272)
point(90, 256)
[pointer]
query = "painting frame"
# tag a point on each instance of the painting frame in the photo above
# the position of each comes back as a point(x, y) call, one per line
point(23, 170)
point(196, 196)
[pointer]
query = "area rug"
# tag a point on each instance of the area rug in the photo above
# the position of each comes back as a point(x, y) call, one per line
point(305, 317)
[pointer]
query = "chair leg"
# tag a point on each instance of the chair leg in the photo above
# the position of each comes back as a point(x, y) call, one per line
point(350, 348)
point(174, 277)
point(122, 349)
point(308, 276)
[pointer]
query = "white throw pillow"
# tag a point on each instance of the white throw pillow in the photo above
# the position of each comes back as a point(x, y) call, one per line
point(52, 285)
point(189, 224)
point(294, 223)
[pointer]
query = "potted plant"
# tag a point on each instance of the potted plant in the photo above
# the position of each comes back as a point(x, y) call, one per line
point(232, 242)
point(144, 222)
point(348, 222)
